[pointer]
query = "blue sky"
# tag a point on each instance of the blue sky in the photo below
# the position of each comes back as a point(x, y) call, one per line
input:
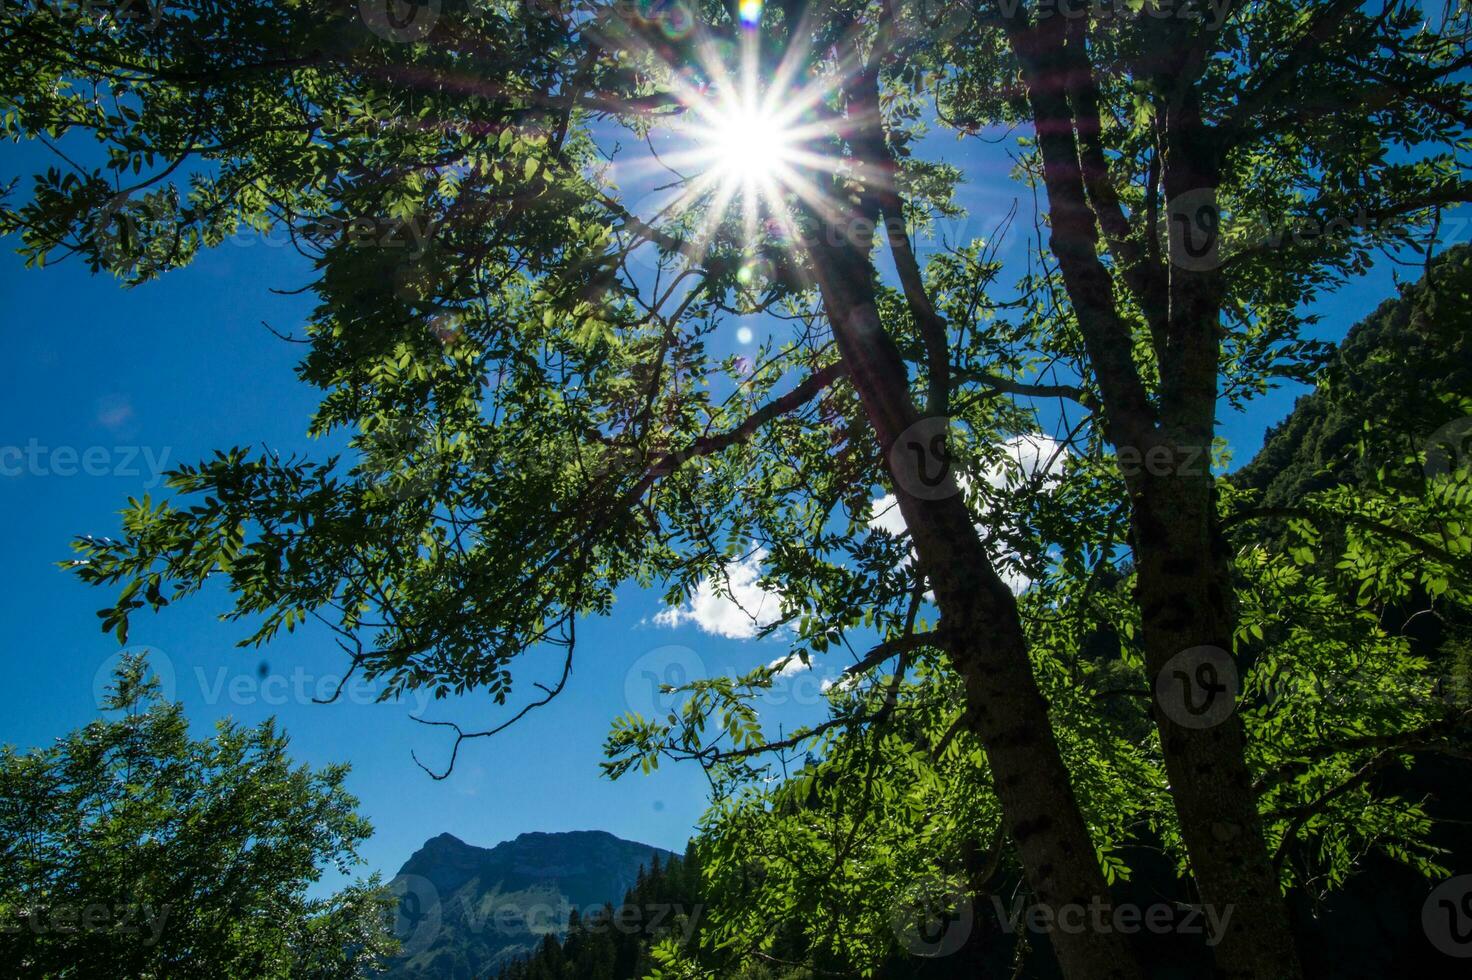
point(169, 371)
point(108, 386)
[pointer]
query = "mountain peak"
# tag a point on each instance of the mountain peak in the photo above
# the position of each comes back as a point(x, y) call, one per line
point(565, 836)
point(578, 869)
point(542, 834)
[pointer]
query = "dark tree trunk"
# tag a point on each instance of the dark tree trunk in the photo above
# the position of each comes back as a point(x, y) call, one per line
point(1185, 590)
point(1185, 595)
point(1005, 709)
point(1184, 580)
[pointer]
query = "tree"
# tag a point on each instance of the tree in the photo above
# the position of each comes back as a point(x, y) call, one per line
point(614, 943)
point(1405, 368)
point(536, 420)
point(134, 850)
point(882, 854)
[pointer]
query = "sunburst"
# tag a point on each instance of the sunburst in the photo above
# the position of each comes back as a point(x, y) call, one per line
point(758, 144)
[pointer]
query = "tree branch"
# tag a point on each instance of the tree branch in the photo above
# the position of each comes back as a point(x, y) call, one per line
point(889, 648)
point(1368, 523)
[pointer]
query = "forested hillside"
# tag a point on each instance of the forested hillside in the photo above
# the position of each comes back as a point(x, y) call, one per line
point(1394, 408)
point(614, 941)
point(1401, 376)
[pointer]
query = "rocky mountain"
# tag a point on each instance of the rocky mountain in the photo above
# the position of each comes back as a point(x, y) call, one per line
point(466, 910)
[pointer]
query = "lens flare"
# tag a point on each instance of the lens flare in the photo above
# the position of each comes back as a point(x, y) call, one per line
point(748, 146)
point(751, 140)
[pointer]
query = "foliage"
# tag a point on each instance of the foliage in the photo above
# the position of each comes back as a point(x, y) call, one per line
point(664, 906)
point(1337, 695)
point(133, 850)
point(521, 359)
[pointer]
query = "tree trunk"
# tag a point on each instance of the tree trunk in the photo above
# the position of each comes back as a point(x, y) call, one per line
point(1005, 709)
point(1184, 592)
point(1184, 579)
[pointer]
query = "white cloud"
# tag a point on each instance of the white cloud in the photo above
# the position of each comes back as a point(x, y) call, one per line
point(114, 412)
point(733, 605)
point(1026, 457)
point(884, 515)
point(842, 683)
point(1015, 579)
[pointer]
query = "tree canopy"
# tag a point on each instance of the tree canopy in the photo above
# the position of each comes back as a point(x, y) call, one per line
point(518, 347)
point(133, 850)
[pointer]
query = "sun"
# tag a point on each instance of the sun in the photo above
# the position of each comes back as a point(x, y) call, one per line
point(750, 141)
point(750, 151)
point(748, 146)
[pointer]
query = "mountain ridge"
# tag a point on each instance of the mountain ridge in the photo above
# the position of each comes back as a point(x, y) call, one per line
point(466, 909)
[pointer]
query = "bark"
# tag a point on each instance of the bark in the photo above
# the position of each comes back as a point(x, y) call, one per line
point(1185, 595)
point(1005, 709)
point(1187, 598)
point(1184, 579)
